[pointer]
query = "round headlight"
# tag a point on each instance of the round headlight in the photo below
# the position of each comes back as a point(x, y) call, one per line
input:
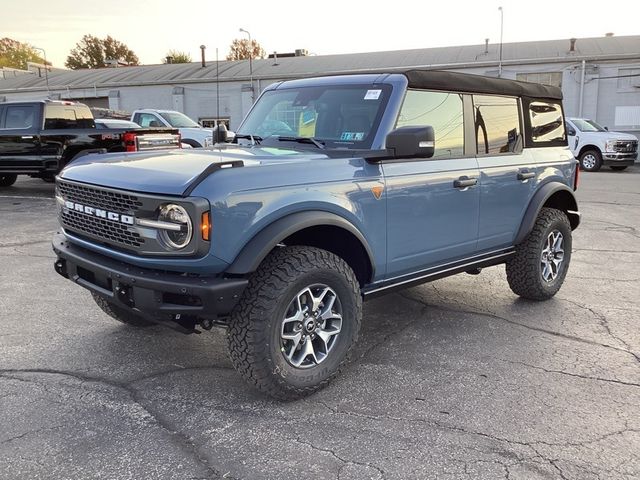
point(179, 237)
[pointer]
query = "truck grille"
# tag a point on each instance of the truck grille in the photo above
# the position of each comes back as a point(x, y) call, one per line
point(626, 146)
point(112, 232)
point(95, 197)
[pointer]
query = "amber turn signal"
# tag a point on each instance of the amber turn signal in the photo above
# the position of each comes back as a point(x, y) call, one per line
point(205, 226)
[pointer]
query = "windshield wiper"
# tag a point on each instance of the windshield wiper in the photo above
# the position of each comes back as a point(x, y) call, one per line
point(309, 140)
point(255, 139)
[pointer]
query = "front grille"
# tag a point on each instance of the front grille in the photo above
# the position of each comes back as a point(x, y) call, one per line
point(112, 232)
point(98, 198)
point(626, 146)
point(103, 229)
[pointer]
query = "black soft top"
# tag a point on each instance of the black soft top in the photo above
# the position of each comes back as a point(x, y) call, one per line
point(464, 82)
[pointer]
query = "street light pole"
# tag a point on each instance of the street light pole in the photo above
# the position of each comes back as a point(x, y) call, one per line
point(501, 30)
point(250, 61)
point(46, 70)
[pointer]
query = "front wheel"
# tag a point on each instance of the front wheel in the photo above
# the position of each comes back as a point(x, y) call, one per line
point(540, 264)
point(7, 179)
point(591, 161)
point(296, 322)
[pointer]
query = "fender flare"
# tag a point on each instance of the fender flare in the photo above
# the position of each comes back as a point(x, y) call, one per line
point(538, 201)
point(255, 251)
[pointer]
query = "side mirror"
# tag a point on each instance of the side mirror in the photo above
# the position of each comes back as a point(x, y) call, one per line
point(220, 133)
point(411, 142)
point(606, 128)
point(570, 131)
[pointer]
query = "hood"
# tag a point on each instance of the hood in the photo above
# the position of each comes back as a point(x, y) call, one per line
point(618, 136)
point(170, 172)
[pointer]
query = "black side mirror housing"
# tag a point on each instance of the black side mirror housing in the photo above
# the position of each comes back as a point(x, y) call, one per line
point(606, 128)
point(220, 133)
point(411, 142)
point(570, 131)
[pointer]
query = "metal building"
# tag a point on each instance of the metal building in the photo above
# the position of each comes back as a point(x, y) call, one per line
point(600, 78)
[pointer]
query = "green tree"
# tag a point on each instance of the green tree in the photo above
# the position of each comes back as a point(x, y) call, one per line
point(177, 57)
point(16, 54)
point(93, 52)
point(240, 50)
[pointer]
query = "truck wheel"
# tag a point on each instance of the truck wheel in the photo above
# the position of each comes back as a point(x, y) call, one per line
point(7, 179)
point(591, 161)
point(119, 313)
point(540, 264)
point(296, 322)
point(618, 168)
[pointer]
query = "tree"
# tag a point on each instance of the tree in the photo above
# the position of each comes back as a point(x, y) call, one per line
point(93, 52)
point(177, 57)
point(16, 54)
point(239, 50)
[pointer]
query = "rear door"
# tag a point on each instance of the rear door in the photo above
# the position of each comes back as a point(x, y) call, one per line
point(507, 172)
point(432, 219)
point(19, 141)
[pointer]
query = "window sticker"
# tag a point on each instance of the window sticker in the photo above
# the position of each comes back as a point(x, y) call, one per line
point(352, 136)
point(372, 94)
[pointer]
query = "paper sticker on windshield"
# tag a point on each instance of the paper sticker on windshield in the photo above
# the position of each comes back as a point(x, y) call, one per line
point(372, 94)
point(352, 136)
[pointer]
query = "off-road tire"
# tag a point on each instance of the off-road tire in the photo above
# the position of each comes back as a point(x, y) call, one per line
point(618, 168)
point(119, 313)
point(595, 156)
point(524, 269)
point(255, 324)
point(7, 179)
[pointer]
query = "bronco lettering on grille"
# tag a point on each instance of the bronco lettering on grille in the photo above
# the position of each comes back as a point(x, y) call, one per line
point(97, 212)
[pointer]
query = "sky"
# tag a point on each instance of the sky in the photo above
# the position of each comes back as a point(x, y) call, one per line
point(152, 28)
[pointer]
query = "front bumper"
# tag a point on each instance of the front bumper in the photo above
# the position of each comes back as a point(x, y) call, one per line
point(156, 295)
point(617, 158)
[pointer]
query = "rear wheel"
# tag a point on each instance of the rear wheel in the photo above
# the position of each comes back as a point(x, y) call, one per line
point(591, 161)
point(618, 167)
point(7, 179)
point(541, 262)
point(119, 313)
point(296, 322)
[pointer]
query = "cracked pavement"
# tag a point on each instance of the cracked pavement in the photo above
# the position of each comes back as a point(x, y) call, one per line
point(457, 379)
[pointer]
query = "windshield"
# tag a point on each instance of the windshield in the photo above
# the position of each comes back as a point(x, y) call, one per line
point(587, 125)
point(178, 120)
point(338, 116)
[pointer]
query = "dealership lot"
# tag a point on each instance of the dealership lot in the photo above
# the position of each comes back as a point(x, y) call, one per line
point(454, 379)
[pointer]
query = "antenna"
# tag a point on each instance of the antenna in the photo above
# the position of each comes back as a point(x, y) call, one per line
point(217, 88)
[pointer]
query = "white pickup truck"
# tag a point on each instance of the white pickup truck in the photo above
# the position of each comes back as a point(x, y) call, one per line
point(190, 132)
point(595, 146)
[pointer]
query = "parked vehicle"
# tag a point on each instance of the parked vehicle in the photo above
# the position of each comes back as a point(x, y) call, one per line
point(105, 123)
point(192, 133)
point(39, 138)
point(595, 146)
point(335, 190)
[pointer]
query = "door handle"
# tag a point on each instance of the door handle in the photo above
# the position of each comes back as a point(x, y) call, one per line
point(465, 182)
point(523, 176)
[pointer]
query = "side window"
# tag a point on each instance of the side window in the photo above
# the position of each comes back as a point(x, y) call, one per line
point(20, 116)
point(60, 117)
point(546, 122)
point(497, 124)
point(440, 110)
point(84, 117)
point(149, 120)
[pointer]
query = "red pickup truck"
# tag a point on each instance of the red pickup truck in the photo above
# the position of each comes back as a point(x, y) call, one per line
point(39, 138)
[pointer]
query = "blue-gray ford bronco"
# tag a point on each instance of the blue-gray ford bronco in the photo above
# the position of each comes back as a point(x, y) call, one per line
point(333, 190)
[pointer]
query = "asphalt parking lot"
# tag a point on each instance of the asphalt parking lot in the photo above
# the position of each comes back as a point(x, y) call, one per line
point(454, 379)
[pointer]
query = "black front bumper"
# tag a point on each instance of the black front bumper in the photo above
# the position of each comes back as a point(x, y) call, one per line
point(618, 158)
point(158, 296)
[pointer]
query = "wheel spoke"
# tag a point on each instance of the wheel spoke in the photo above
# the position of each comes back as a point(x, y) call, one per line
point(546, 271)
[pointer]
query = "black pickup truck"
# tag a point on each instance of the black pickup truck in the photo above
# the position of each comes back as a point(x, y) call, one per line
point(39, 138)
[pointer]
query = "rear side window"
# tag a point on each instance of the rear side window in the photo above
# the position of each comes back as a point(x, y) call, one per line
point(67, 116)
point(497, 124)
point(440, 110)
point(147, 120)
point(546, 122)
point(20, 116)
